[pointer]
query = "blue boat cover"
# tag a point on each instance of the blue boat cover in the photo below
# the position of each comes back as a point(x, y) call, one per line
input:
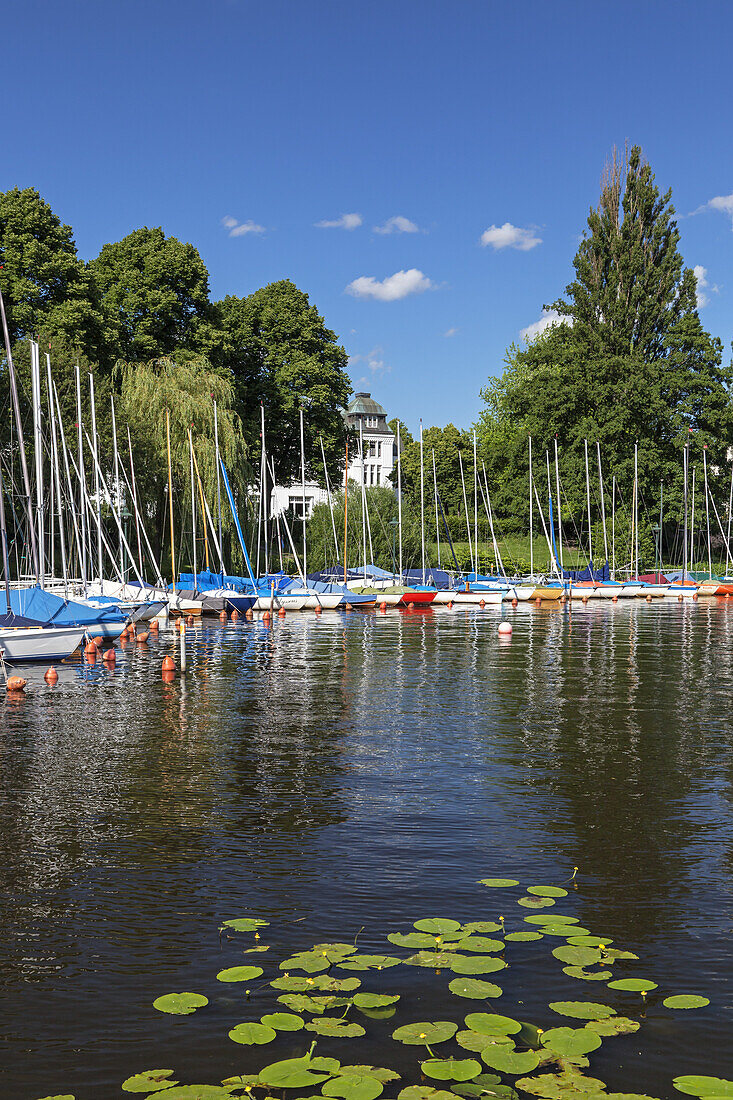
point(47, 607)
point(603, 573)
point(437, 578)
point(17, 622)
point(206, 580)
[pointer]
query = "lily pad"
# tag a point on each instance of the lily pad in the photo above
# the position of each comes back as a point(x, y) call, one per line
point(312, 962)
point(578, 956)
point(685, 1000)
point(297, 1073)
point(199, 1092)
point(412, 939)
point(283, 1021)
point(425, 1033)
point(474, 988)
point(481, 926)
point(491, 1023)
point(617, 1025)
point(523, 937)
point(587, 975)
point(451, 1069)
point(353, 1086)
point(589, 941)
point(475, 1042)
point(150, 1080)
point(547, 891)
point(568, 1085)
point(476, 964)
point(555, 918)
point(368, 962)
point(239, 974)
point(301, 1003)
point(379, 1072)
point(425, 1092)
point(375, 1000)
point(498, 883)
point(481, 944)
point(293, 983)
point(582, 1010)
point(570, 1042)
point(510, 1061)
point(535, 903)
point(438, 926)
point(250, 1034)
point(327, 984)
point(245, 924)
point(552, 928)
point(633, 985)
point(335, 1029)
point(434, 960)
point(693, 1085)
point(180, 1004)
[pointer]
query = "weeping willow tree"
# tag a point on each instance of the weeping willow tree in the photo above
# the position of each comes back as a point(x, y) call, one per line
point(185, 393)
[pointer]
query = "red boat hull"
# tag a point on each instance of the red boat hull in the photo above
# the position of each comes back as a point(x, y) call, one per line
point(417, 598)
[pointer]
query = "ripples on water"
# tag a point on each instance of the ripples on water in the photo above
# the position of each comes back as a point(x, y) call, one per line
point(359, 770)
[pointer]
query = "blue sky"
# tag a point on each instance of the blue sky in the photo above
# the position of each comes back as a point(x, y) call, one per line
point(454, 118)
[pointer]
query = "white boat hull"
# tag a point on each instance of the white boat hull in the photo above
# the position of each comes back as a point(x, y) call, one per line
point(491, 597)
point(281, 599)
point(53, 643)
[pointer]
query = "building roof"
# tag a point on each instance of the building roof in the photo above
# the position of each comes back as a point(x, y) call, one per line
point(363, 404)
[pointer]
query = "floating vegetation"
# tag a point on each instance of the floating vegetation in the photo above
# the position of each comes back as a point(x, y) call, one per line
point(491, 1055)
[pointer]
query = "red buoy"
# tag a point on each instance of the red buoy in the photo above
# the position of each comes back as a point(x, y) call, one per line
point(537, 601)
point(50, 675)
point(349, 607)
point(318, 609)
point(482, 603)
point(450, 603)
point(222, 616)
point(266, 616)
point(90, 651)
point(694, 596)
point(109, 657)
point(249, 613)
point(154, 625)
point(16, 683)
point(234, 615)
point(515, 602)
point(169, 665)
point(383, 606)
point(614, 599)
point(281, 613)
point(410, 607)
point(143, 637)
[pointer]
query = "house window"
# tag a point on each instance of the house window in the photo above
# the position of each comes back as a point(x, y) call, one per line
point(296, 507)
point(378, 473)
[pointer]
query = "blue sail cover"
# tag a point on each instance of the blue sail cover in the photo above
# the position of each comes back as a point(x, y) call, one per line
point(601, 574)
point(47, 607)
point(205, 580)
point(437, 578)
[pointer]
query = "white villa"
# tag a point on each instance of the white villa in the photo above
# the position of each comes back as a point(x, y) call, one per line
point(369, 421)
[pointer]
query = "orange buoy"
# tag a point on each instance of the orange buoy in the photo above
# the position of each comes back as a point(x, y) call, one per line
point(168, 675)
point(649, 599)
point(679, 599)
point(50, 675)
point(537, 601)
point(169, 665)
point(585, 599)
point(383, 606)
point(154, 625)
point(450, 603)
point(249, 613)
point(266, 616)
point(482, 603)
point(109, 657)
point(349, 607)
point(410, 607)
point(143, 637)
point(318, 609)
point(15, 683)
point(90, 650)
point(614, 599)
point(694, 596)
point(222, 616)
point(515, 602)
point(234, 615)
point(189, 620)
point(281, 613)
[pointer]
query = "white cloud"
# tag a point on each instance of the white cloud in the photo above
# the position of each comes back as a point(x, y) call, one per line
point(451, 332)
point(509, 236)
point(346, 221)
point(722, 203)
point(397, 224)
point(239, 229)
point(396, 286)
point(549, 317)
point(701, 275)
point(373, 359)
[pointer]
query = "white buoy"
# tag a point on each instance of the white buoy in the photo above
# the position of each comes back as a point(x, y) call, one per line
point(505, 628)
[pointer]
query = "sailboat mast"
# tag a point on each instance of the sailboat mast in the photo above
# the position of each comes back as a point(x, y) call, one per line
point(422, 506)
point(346, 503)
point(730, 509)
point(170, 495)
point(559, 507)
point(97, 486)
point(193, 511)
point(661, 527)
point(330, 498)
point(475, 501)
point(302, 482)
point(587, 494)
point(613, 528)
point(399, 491)
point(82, 481)
point(636, 504)
point(265, 501)
point(684, 536)
point(363, 495)
point(56, 475)
point(218, 489)
point(38, 453)
point(603, 500)
point(465, 507)
point(21, 443)
point(118, 495)
point(707, 509)
point(435, 490)
point(134, 502)
point(531, 514)
point(692, 522)
point(4, 541)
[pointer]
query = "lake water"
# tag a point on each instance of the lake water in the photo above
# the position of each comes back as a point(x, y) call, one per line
point(360, 771)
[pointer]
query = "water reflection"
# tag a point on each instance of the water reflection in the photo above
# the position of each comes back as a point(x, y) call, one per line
point(349, 770)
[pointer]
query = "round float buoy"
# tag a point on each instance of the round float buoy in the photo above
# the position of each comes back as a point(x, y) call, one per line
point(281, 613)
point(679, 599)
point(410, 606)
point(450, 603)
point(154, 625)
point(318, 609)
point(189, 620)
point(349, 607)
point(515, 602)
point(249, 613)
point(90, 650)
point(537, 601)
point(505, 628)
point(649, 598)
point(266, 616)
point(169, 665)
point(168, 675)
point(234, 615)
point(50, 675)
point(222, 616)
point(695, 596)
point(143, 637)
point(109, 657)
point(15, 683)
point(383, 606)
point(482, 603)
point(585, 599)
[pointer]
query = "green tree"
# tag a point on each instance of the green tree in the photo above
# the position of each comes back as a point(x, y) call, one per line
point(381, 505)
point(281, 353)
point(46, 288)
point(630, 361)
point(155, 292)
point(451, 447)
